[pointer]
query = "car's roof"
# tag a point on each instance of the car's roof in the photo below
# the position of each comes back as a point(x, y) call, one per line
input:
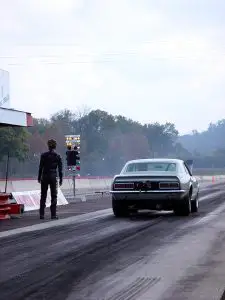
point(148, 160)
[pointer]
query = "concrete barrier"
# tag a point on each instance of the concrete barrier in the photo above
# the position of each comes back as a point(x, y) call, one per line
point(83, 184)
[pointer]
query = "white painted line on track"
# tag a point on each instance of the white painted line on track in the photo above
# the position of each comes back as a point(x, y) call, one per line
point(212, 215)
point(61, 222)
point(206, 219)
point(211, 195)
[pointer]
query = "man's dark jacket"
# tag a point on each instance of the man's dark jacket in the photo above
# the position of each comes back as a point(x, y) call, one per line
point(49, 162)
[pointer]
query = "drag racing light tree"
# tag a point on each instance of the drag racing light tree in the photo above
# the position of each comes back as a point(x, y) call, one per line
point(77, 151)
point(70, 157)
point(73, 152)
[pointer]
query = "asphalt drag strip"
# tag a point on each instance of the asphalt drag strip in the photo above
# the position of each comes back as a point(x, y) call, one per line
point(107, 258)
point(70, 213)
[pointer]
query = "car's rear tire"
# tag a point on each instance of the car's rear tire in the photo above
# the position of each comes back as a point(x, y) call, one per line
point(184, 208)
point(120, 209)
point(194, 205)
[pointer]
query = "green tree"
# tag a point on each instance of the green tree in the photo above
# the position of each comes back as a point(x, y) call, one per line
point(161, 138)
point(13, 140)
point(63, 120)
point(207, 141)
point(40, 125)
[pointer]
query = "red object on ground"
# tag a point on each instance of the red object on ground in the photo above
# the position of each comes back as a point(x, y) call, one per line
point(7, 209)
point(16, 209)
point(4, 206)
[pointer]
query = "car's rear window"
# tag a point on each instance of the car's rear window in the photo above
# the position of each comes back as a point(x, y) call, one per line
point(151, 166)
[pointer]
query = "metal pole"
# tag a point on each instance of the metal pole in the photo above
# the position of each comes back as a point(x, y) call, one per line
point(74, 185)
point(7, 172)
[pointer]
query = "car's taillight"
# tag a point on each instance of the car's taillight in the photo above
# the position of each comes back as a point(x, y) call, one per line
point(123, 186)
point(169, 185)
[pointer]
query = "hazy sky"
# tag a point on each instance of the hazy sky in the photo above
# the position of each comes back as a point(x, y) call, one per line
point(148, 60)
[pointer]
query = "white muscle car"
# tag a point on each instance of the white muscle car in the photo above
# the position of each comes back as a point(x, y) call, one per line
point(155, 184)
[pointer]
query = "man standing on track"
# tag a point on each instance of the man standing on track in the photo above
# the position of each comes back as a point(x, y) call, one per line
point(47, 175)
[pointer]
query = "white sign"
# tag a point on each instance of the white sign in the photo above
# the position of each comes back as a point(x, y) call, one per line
point(13, 117)
point(4, 89)
point(31, 199)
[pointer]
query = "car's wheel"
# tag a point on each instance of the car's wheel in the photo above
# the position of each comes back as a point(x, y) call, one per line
point(120, 209)
point(194, 205)
point(184, 208)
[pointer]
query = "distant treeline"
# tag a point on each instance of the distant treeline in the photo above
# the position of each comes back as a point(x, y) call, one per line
point(107, 142)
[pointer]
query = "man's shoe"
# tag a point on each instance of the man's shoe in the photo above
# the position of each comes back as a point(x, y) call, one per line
point(54, 217)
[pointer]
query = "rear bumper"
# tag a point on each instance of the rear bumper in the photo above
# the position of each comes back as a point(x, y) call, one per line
point(150, 200)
